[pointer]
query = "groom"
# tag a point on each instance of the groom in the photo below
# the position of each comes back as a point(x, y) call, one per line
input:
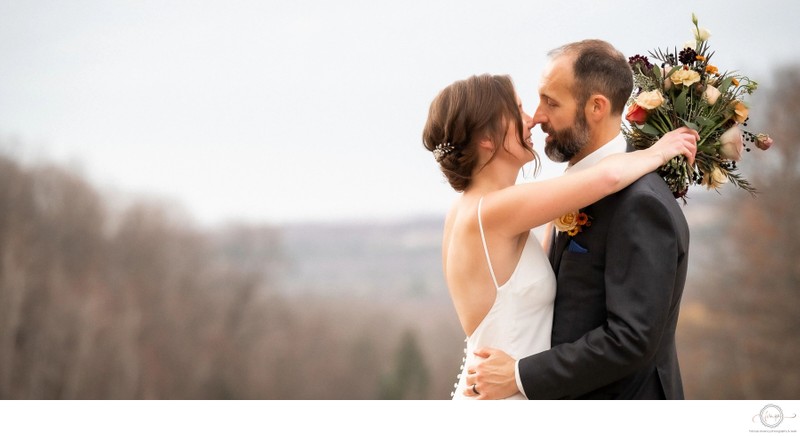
point(620, 280)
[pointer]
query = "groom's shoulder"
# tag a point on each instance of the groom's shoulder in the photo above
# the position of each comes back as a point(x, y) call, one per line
point(649, 185)
point(651, 190)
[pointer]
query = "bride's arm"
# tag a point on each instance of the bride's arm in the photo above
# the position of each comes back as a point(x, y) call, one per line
point(519, 208)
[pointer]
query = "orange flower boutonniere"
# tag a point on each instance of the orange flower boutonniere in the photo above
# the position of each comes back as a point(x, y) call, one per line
point(573, 222)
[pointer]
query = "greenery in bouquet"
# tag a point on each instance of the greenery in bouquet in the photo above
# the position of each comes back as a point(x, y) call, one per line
point(683, 88)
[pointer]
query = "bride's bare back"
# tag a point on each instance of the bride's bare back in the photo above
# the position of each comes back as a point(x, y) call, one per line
point(465, 266)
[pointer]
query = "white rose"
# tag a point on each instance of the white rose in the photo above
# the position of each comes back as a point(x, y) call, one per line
point(701, 34)
point(650, 99)
point(711, 94)
point(731, 144)
point(690, 44)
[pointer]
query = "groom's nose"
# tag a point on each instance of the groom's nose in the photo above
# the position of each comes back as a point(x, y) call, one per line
point(539, 117)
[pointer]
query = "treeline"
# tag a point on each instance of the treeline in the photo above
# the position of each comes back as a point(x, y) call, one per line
point(138, 303)
point(738, 327)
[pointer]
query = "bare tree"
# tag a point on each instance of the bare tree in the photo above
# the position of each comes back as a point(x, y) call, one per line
point(743, 345)
point(138, 303)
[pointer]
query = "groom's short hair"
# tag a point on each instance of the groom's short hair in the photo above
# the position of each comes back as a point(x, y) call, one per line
point(599, 68)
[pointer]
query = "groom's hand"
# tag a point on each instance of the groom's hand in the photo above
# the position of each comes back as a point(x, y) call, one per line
point(492, 376)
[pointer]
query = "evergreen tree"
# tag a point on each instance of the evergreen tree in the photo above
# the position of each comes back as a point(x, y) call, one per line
point(409, 377)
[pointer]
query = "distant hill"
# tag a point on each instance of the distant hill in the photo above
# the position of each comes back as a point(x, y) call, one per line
point(391, 260)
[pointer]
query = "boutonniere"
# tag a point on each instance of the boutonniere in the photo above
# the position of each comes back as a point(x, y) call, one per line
point(573, 222)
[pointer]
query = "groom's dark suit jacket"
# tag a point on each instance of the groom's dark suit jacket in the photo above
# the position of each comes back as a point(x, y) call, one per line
point(616, 305)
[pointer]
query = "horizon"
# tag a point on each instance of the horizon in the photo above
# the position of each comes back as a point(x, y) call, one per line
point(258, 113)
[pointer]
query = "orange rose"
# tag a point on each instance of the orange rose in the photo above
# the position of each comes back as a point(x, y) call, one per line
point(740, 112)
point(636, 114)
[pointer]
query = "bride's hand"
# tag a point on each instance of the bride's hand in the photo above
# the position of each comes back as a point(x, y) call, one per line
point(681, 141)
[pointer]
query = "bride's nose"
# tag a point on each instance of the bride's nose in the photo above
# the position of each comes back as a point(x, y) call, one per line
point(527, 121)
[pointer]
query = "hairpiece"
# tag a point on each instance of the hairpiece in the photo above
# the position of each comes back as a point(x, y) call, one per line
point(442, 150)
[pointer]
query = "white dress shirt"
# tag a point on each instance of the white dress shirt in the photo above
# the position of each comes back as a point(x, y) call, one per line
point(616, 145)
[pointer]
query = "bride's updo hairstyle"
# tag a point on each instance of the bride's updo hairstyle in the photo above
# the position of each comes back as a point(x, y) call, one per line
point(464, 113)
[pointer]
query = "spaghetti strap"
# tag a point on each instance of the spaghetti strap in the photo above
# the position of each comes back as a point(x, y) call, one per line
point(485, 249)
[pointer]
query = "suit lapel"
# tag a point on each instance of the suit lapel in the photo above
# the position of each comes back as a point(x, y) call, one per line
point(557, 249)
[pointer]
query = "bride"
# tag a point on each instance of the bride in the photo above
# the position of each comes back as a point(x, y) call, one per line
point(499, 278)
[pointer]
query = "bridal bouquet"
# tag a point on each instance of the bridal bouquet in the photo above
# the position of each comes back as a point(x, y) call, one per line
point(683, 88)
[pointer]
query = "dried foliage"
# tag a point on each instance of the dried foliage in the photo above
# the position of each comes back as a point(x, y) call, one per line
point(138, 304)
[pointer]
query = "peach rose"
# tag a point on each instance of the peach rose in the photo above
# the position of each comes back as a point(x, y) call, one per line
point(715, 178)
point(731, 144)
point(685, 77)
point(763, 141)
point(711, 94)
point(650, 99)
point(566, 222)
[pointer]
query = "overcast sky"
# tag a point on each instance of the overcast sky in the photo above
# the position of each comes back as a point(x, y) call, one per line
point(279, 111)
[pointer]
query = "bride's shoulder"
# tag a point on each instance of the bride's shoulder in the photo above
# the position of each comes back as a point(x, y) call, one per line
point(461, 221)
point(463, 214)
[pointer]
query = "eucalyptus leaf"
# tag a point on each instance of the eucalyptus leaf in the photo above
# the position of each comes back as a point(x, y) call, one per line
point(650, 130)
point(690, 125)
point(680, 102)
point(674, 69)
point(657, 73)
point(703, 121)
point(723, 87)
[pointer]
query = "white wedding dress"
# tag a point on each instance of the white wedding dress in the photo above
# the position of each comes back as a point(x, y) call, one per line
point(521, 319)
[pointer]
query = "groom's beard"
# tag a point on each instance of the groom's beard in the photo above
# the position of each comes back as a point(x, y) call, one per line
point(563, 145)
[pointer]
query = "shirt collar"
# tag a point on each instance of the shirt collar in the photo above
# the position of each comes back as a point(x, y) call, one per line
point(616, 145)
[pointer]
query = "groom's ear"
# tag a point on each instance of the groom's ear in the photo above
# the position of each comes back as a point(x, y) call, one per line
point(597, 107)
